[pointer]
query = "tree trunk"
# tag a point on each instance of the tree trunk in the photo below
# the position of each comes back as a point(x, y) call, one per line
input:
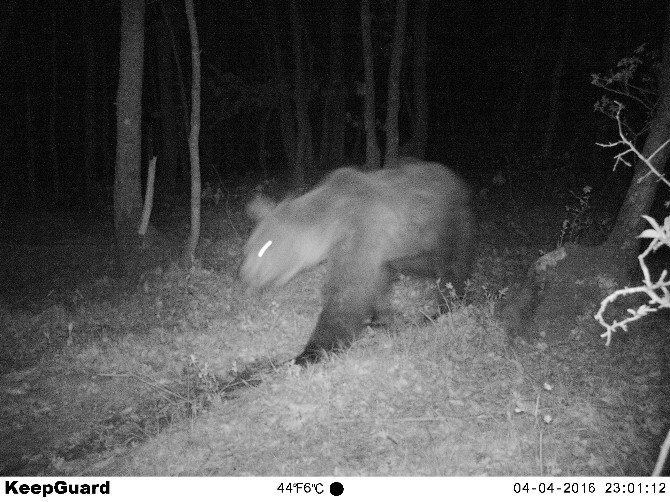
point(283, 89)
point(106, 126)
point(332, 130)
point(177, 65)
point(372, 157)
point(267, 108)
point(127, 186)
point(53, 140)
point(420, 122)
point(303, 156)
point(553, 114)
point(194, 136)
point(571, 281)
point(183, 131)
point(338, 128)
point(31, 179)
point(91, 85)
point(395, 66)
point(105, 106)
point(262, 142)
point(640, 195)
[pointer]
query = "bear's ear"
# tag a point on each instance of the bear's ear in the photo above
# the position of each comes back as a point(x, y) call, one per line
point(260, 207)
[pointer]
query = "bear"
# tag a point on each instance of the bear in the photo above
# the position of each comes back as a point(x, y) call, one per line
point(414, 218)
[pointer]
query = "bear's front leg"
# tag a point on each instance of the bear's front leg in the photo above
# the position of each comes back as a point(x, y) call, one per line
point(354, 287)
point(335, 330)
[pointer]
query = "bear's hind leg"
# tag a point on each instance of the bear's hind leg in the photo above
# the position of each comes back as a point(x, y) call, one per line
point(382, 313)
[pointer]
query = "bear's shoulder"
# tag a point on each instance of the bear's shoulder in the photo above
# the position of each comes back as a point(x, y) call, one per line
point(347, 178)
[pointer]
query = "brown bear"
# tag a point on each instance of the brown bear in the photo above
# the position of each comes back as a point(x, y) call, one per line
point(414, 218)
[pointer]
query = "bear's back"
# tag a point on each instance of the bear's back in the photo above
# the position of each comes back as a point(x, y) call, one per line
point(404, 209)
point(406, 174)
point(419, 177)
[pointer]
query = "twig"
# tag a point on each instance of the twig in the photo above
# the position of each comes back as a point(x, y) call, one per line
point(403, 419)
point(662, 456)
point(541, 460)
point(626, 94)
point(659, 235)
point(144, 380)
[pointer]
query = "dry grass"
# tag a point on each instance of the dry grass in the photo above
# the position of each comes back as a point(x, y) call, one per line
point(130, 383)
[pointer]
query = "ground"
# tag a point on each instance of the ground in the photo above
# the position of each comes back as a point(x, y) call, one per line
point(101, 376)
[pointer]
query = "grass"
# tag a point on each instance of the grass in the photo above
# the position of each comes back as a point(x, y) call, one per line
point(111, 380)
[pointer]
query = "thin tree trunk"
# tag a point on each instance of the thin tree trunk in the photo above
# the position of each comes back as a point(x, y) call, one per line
point(53, 141)
point(286, 115)
point(31, 179)
point(177, 65)
point(91, 85)
point(556, 79)
point(333, 144)
point(407, 100)
point(338, 129)
point(267, 112)
point(372, 156)
point(303, 157)
point(332, 129)
point(106, 126)
point(183, 131)
point(105, 107)
point(262, 140)
point(420, 122)
point(393, 105)
point(194, 136)
point(127, 185)
point(324, 144)
point(641, 193)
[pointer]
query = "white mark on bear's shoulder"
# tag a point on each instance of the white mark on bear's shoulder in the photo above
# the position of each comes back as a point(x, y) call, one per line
point(264, 249)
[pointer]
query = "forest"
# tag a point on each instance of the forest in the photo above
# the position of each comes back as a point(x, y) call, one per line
point(358, 238)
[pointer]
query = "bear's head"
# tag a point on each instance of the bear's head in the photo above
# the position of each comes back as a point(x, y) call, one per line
point(288, 239)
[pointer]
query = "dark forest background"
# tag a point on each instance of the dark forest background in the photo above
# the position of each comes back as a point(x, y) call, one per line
point(491, 67)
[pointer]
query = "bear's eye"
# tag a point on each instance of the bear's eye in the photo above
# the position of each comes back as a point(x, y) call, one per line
point(264, 248)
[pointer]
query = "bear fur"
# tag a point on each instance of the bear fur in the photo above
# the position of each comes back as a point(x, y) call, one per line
point(415, 218)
